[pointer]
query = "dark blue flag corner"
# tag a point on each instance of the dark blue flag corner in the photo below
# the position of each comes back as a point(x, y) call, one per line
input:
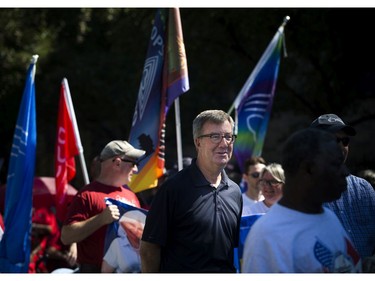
point(132, 219)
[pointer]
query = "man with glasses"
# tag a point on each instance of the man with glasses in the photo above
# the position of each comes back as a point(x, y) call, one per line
point(88, 215)
point(253, 167)
point(193, 223)
point(356, 206)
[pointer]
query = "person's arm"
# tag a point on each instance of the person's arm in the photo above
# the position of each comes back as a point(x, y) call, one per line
point(72, 254)
point(78, 231)
point(57, 254)
point(106, 268)
point(150, 257)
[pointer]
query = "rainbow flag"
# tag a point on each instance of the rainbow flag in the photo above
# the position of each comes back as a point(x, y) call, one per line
point(254, 102)
point(165, 78)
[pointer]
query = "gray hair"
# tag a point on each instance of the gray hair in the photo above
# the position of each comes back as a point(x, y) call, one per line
point(276, 170)
point(213, 116)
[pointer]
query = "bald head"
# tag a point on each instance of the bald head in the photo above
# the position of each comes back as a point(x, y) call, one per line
point(304, 146)
point(314, 169)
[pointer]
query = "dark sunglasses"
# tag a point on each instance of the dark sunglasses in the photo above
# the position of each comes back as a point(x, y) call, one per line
point(128, 161)
point(255, 175)
point(345, 141)
point(273, 183)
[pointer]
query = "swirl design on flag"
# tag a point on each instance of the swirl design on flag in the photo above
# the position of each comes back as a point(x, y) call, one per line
point(149, 72)
point(255, 108)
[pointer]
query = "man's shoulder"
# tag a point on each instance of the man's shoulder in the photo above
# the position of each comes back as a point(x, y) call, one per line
point(354, 180)
point(92, 186)
point(181, 177)
point(359, 185)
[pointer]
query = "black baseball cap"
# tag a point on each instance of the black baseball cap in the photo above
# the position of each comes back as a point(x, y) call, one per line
point(332, 123)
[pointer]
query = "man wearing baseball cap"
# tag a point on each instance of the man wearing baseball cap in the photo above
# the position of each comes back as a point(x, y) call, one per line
point(356, 206)
point(88, 215)
point(334, 124)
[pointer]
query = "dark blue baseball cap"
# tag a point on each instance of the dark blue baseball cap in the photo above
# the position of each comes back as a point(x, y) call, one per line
point(332, 123)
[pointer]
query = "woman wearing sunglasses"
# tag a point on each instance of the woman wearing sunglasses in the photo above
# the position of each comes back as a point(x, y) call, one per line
point(271, 184)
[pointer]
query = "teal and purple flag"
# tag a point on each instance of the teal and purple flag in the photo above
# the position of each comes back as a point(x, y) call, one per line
point(165, 78)
point(254, 102)
point(15, 244)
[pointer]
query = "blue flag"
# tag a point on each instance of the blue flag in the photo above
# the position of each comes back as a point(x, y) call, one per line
point(123, 237)
point(245, 226)
point(254, 103)
point(15, 244)
point(165, 78)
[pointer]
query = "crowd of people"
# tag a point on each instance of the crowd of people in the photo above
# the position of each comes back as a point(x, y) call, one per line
point(311, 214)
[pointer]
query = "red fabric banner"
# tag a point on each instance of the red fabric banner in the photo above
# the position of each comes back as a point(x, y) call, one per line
point(65, 151)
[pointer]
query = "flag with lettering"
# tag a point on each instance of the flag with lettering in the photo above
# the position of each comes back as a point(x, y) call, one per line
point(65, 150)
point(16, 242)
point(165, 78)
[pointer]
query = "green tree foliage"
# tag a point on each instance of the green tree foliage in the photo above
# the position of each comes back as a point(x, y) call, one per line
point(102, 51)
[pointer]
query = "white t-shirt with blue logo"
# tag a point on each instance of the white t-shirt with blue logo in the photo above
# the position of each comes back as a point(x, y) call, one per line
point(288, 241)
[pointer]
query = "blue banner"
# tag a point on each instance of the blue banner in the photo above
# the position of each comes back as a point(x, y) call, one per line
point(245, 226)
point(165, 78)
point(15, 244)
point(148, 118)
point(254, 103)
point(123, 237)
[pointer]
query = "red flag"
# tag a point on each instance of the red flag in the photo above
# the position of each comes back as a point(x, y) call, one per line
point(66, 150)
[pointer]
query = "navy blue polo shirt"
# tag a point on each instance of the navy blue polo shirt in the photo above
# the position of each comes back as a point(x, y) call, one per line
point(196, 224)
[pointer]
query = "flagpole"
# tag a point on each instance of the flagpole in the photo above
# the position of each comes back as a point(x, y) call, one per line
point(285, 21)
point(178, 133)
point(231, 109)
point(76, 132)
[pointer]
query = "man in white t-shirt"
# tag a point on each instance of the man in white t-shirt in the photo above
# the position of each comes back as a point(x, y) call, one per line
point(298, 234)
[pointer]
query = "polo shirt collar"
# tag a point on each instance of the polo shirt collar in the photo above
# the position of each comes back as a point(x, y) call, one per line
point(200, 180)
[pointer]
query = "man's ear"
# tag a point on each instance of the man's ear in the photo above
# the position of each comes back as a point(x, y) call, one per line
point(117, 161)
point(197, 142)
